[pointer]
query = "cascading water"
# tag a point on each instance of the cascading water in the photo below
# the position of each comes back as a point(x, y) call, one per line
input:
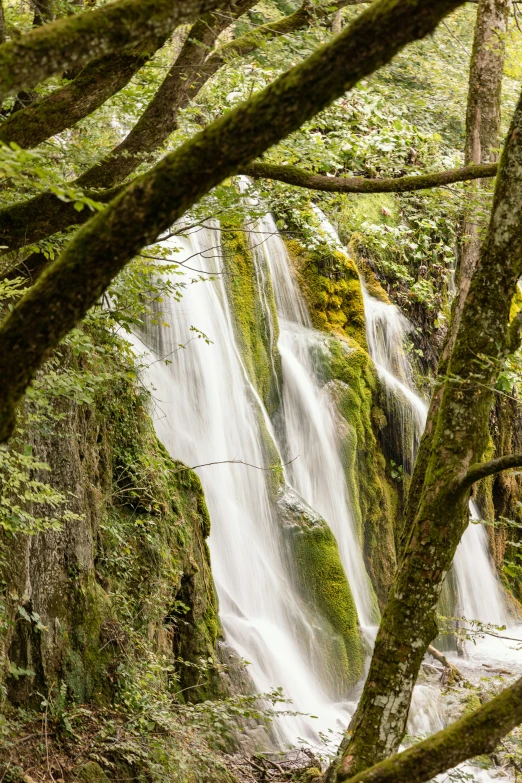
point(207, 411)
point(479, 594)
point(310, 423)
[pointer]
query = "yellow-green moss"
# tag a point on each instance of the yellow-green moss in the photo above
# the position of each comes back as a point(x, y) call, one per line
point(256, 330)
point(354, 385)
point(330, 284)
point(373, 285)
point(314, 559)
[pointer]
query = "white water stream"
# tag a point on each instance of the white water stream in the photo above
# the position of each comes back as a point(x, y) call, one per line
point(207, 411)
point(479, 595)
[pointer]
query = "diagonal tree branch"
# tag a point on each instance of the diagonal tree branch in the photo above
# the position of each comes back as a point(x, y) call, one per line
point(98, 81)
point(75, 40)
point(305, 179)
point(33, 220)
point(76, 280)
point(187, 77)
point(159, 119)
point(471, 736)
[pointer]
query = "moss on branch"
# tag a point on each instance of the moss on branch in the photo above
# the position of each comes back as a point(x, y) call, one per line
point(75, 40)
point(147, 207)
point(481, 471)
point(305, 179)
point(34, 220)
point(63, 108)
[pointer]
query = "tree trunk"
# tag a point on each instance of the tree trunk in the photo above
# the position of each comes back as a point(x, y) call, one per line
point(459, 436)
point(482, 131)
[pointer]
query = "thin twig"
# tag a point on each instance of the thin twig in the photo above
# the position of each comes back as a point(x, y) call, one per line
point(234, 462)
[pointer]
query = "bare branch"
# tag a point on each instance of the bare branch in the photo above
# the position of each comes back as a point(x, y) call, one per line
point(304, 179)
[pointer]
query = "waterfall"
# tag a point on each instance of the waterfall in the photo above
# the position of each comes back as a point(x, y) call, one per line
point(207, 411)
point(479, 594)
point(310, 422)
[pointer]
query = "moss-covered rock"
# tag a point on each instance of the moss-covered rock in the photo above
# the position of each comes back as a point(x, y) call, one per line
point(330, 283)
point(130, 569)
point(91, 772)
point(314, 559)
point(354, 386)
point(251, 300)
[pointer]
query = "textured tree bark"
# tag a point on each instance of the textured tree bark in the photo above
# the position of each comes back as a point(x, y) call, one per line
point(147, 207)
point(192, 70)
point(63, 108)
point(305, 179)
point(482, 131)
point(159, 119)
point(2, 23)
point(459, 437)
point(76, 40)
point(44, 215)
point(471, 736)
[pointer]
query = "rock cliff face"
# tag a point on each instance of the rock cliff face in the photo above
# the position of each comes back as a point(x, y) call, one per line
point(117, 606)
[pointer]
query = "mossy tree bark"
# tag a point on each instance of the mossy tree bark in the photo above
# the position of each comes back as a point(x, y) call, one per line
point(147, 207)
point(44, 215)
point(306, 179)
point(159, 119)
point(457, 439)
point(482, 130)
point(63, 108)
point(76, 40)
point(482, 141)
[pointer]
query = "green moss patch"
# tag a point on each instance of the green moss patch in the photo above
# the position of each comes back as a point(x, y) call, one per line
point(330, 283)
point(320, 578)
point(256, 329)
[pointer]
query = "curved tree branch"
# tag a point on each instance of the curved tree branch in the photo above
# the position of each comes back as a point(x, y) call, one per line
point(33, 220)
point(159, 119)
point(481, 471)
point(471, 736)
point(76, 40)
point(304, 179)
point(101, 248)
point(63, 108)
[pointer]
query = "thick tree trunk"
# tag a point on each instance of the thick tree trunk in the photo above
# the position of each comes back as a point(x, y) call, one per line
point(471, 736)
point(459, 428)
point(482, 132)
